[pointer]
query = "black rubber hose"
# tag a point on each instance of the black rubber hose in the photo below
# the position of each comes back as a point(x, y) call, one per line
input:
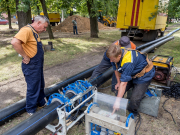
point(19, 107)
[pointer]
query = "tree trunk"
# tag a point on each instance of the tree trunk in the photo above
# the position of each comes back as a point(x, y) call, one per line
point(43, 3)
point(93, 20)
point(71, 12)
point(23, 18)
point(38, 10)
point(9, 15)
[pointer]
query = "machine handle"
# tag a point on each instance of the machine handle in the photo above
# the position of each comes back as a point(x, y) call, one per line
point(89, 107)
point(127, 120)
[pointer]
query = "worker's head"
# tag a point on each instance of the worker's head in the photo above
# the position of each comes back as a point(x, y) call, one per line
point(114, 53)
point(124, 41)
point(40, 23)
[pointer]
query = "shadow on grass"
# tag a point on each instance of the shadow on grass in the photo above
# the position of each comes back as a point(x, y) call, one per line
point(12, 57)
point(8, 96)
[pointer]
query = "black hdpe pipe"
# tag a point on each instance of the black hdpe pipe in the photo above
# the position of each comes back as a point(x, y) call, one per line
point(157, 40)
point(150, 48)
point(43, 117)
point(19, 107)
point(40, 119)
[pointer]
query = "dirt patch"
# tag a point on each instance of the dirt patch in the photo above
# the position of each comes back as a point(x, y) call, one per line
point(83, 24)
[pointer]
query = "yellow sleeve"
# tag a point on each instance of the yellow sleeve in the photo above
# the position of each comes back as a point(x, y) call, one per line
point(24, 34)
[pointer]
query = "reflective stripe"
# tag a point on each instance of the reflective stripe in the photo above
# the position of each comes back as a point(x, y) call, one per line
point(128, 58)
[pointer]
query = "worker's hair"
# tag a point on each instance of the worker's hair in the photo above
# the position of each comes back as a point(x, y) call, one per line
point(41, 18)
point(114, 51)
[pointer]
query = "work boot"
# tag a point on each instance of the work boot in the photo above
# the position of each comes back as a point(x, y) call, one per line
point(30, 114)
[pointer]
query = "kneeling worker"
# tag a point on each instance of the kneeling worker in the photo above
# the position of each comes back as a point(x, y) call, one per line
point(132, 69)
point(123, 42)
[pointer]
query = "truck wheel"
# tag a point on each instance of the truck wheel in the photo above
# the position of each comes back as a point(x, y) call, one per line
point(124, 34)
point(162, 33)
point(150, 35)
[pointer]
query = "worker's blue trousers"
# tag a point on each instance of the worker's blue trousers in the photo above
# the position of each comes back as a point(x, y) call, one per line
point(34, 77)
point(75, 30)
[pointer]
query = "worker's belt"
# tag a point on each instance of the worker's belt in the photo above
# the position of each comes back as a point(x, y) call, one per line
point(146, 69)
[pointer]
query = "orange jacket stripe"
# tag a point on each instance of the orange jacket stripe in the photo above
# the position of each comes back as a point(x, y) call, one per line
point(133, 46)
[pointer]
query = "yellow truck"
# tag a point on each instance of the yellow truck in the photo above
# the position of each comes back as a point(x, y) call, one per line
point(53, 18)
point(141, 18)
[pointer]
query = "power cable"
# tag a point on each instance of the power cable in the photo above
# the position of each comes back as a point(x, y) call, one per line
point(174, 92)
point(139, 121)
point(168, 111)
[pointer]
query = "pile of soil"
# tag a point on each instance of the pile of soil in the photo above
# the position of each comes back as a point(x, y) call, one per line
point(83, 24)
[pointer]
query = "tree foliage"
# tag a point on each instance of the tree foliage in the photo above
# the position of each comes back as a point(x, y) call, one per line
point(4, 4)
point(174, 9)
point(7, 6)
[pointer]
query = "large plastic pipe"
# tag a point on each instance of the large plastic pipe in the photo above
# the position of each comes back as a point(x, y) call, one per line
point(19, 107)
point(157, 40)
point(39, 120)
point(150, 48)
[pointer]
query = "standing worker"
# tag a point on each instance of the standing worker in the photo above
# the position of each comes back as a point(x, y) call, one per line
point(75, 26)
point(28, 44)
point(105, 64)
point(132, 69)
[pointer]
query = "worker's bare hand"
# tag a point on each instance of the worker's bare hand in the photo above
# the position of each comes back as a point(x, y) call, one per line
point(116, 106)
point(26, 60)
point(117, 86)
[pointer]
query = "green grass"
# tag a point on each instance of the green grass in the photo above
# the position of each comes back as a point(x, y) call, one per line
point(65, 50)
point(69, 48)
